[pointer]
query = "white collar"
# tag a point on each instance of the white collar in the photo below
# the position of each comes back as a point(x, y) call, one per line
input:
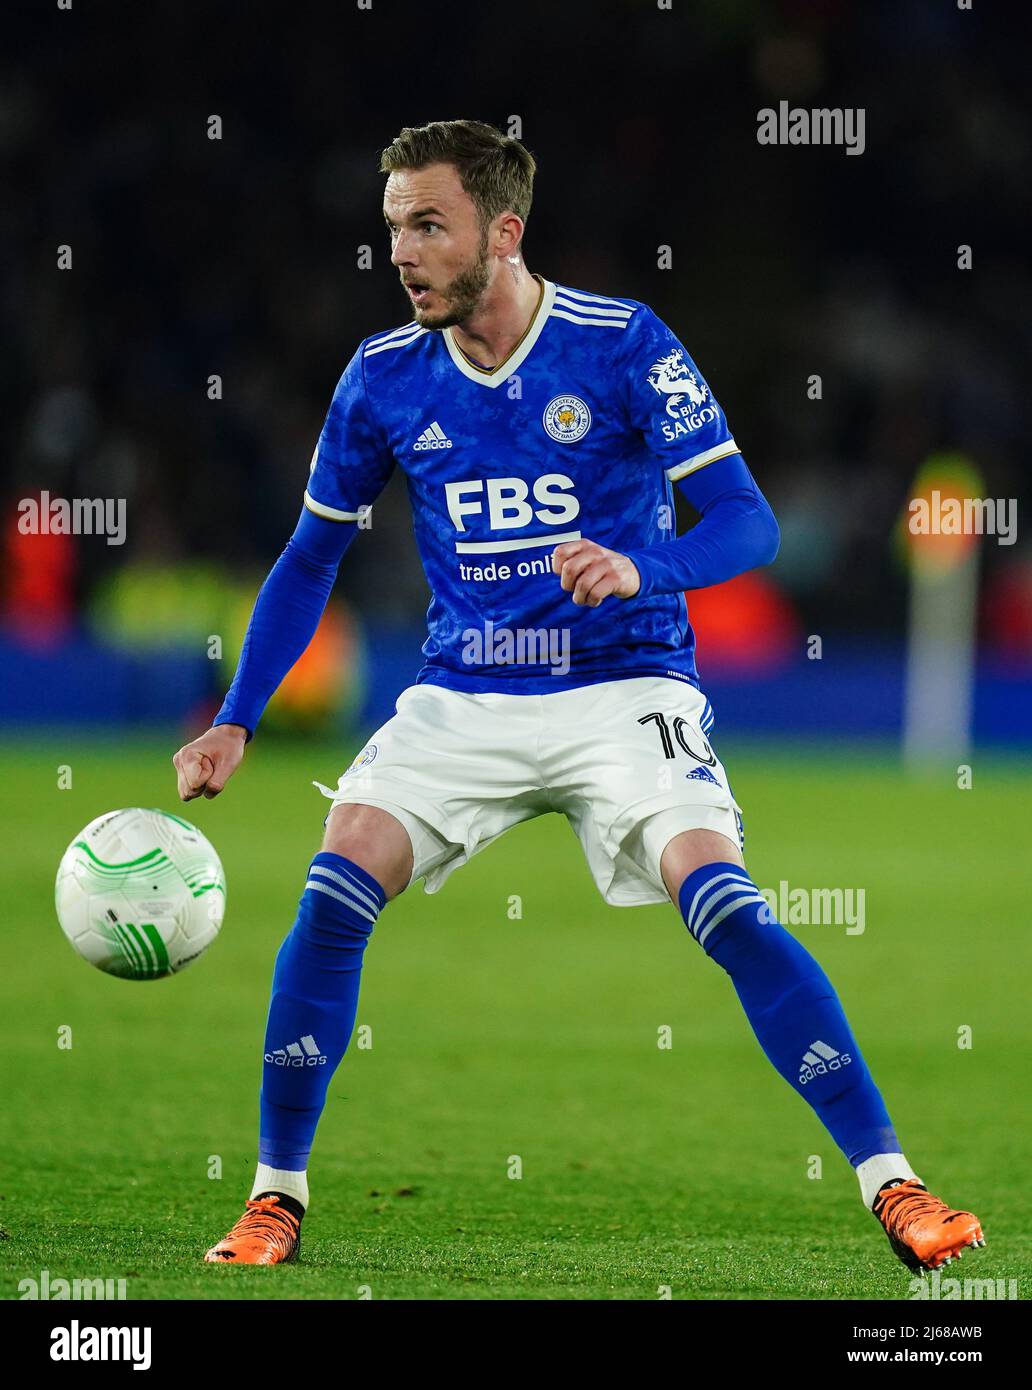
point(510, 364)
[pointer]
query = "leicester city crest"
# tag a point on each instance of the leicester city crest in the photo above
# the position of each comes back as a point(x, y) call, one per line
point(566, 418)
point(364, 758)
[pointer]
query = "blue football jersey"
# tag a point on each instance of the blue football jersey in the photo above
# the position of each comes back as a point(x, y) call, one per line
point(578, 433)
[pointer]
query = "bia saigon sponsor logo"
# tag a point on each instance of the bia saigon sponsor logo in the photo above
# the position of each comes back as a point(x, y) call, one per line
point(689, 402)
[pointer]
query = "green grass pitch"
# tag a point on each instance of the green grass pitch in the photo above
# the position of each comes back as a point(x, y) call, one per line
point(643, 1168)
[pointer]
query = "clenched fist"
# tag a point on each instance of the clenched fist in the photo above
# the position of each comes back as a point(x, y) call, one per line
point(592, 573)
point(206, 765)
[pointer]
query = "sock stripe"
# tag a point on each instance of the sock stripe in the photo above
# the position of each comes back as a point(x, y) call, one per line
point(710, 885)
point(733, 890)
point(341, 898)
point(360, 877)
point(710, 892)
point(726, 912)
point(359, 886)
point(348, 883)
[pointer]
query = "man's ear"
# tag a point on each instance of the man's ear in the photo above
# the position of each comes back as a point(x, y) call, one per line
point(509, 234)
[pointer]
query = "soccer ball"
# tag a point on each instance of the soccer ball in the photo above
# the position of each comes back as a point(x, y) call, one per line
point(140, 894)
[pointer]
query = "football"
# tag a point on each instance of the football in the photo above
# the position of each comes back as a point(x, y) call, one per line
point(140, 893)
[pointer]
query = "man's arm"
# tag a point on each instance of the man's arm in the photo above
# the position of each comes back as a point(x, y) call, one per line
point(285, 617)
point(737, 532)
point(349, 469)
point(669, 402)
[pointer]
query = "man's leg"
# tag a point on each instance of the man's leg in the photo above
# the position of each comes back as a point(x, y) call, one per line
point(657, 816)
point(799, 1022)
point(366, 859)
point(789, 1001)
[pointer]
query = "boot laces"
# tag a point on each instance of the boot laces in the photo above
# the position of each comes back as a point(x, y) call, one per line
point(903, 1205)
point(260, 1218)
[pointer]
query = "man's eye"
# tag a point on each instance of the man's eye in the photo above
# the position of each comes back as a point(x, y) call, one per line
point(428, 225)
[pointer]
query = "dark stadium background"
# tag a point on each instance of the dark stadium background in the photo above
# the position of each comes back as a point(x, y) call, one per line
point(238, 257)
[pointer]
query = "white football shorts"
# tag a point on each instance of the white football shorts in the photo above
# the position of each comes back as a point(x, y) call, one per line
point(628, 762)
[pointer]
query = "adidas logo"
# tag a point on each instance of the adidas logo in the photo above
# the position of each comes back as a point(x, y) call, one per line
point(433, 437)
point(820, 1058)
point(701, 774)
point(303, 1053)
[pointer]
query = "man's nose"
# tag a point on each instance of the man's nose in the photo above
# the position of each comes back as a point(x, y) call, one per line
point(403, 251)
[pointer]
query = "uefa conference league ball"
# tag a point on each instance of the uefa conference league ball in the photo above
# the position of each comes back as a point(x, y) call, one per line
point(140, 894)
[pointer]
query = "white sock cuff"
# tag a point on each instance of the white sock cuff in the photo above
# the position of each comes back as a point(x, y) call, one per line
point(286, 1180)
point(875, 1172)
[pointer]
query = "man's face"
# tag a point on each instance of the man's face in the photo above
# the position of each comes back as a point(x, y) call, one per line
point(437, 243)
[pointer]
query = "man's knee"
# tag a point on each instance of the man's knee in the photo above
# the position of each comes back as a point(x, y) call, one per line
point(690, 851)
point(374, 840)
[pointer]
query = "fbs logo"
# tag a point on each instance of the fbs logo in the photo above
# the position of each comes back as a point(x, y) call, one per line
point(303, 1053)
point(507, 505)
point(433, 437)
point(818, 1059)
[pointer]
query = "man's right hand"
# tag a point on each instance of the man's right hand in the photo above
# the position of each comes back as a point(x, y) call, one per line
point(207, 764)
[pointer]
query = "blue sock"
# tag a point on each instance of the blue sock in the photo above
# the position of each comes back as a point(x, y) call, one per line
point(313, 1007)
point(791, 1005)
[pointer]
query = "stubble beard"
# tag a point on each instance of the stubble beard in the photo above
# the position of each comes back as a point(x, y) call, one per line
point(462, 294)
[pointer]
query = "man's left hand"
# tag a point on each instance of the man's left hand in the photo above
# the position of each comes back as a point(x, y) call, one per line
point(591, 572)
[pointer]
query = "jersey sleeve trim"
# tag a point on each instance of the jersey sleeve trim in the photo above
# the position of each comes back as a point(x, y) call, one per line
point(330, 513)
point(719, 451)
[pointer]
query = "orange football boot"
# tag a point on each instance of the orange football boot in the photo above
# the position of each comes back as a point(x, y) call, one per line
point(923, 1231)
point(267, 1234)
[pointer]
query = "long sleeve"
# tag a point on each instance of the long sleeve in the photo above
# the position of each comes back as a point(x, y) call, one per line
point(286, 615)
point(737, 532)
point(349, 469)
